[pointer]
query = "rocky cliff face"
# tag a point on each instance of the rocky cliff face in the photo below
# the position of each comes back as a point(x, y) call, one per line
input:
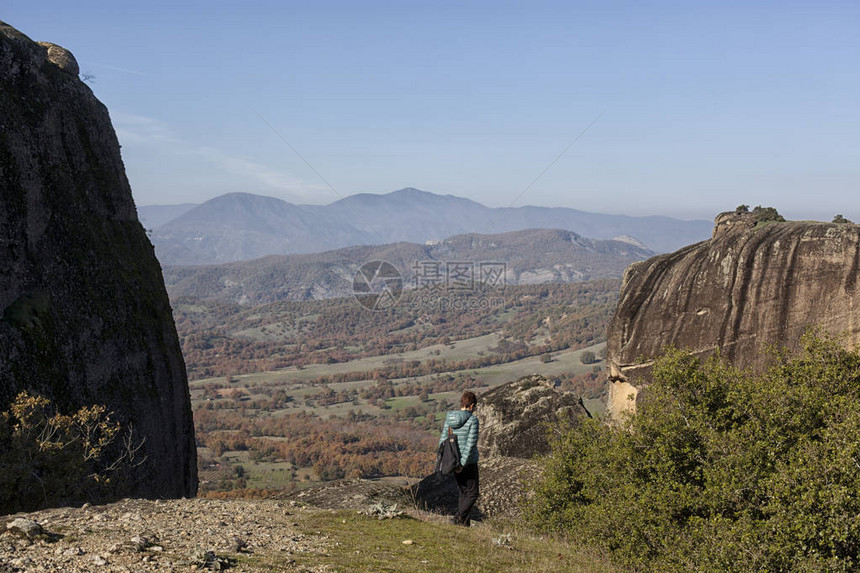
point(84, 316)
point(747, 288)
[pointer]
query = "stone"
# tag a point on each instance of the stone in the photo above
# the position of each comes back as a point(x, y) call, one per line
point(515, 417)
point(84, 315)
point(751, 286)
point(236, 544)
point(25, 563)
point(139, 543)
point(24, 528)
point(61, 57)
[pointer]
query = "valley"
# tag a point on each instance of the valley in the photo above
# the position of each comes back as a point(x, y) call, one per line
point(289, 394)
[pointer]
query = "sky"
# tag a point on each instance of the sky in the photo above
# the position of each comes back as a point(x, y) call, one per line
point(683, 109)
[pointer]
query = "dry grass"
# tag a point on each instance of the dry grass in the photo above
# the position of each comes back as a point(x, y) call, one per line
point(363, 543)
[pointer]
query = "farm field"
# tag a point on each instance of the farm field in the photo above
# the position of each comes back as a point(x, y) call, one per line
point(458, 350)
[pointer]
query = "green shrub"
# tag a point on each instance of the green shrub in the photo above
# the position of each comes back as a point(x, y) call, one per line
point(767, 215)
point(588, 357)
point(719, 469)
point(48, 458)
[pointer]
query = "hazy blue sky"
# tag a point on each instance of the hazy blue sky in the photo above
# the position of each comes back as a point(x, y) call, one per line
point(705, 105)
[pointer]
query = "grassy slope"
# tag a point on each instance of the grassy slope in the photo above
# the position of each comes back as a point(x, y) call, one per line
point(368, 544)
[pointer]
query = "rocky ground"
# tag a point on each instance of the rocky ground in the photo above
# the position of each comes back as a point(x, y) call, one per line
point(207, 534)
point(176, 535)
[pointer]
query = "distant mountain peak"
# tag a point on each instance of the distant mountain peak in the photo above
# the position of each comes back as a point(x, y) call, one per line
point(240, 226)
point(419, 195)
point(245, 197)
point(410, 191)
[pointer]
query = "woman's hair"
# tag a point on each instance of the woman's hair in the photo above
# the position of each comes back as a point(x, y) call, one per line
point(468, 399)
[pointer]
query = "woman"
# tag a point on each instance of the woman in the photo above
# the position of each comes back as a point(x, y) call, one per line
point(464, 424)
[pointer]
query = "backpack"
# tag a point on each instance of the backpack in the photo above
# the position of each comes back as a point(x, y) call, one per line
point(448, 455)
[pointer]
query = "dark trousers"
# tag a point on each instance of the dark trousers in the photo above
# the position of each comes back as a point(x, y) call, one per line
point(467, 484)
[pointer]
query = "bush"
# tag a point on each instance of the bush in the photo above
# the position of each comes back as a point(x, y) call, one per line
point(48, 458)
point(588, 357)
point(767, 215)
point(719, 469)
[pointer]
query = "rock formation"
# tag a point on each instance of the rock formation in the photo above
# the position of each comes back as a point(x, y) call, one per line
point(515, 418)
point(84, 317)
point(751, 286)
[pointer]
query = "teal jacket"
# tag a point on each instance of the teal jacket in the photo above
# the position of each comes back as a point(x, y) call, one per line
point(465, 427)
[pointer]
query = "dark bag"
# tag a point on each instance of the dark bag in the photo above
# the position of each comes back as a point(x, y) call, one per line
point(448, 455)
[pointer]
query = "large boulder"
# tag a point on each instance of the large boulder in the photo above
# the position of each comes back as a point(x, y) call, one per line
point(84, 316)
point(750, 287)
point(516, 417)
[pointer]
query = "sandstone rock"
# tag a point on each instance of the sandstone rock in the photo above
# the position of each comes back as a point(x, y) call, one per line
point(61, 57)
point(516, 416)
point(747, 288)
point(502, 487)
point(504, 484)
point(84, 316)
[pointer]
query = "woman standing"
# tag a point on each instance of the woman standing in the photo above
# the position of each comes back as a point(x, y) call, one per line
point(464, 424)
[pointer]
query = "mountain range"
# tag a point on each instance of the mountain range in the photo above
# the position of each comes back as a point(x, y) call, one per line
point(242, 226)
point(528, 257)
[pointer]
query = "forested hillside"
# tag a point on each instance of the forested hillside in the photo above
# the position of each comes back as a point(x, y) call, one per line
point(533, 256)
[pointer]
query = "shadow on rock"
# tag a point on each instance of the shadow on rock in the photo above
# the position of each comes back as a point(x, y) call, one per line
point(438, 494)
